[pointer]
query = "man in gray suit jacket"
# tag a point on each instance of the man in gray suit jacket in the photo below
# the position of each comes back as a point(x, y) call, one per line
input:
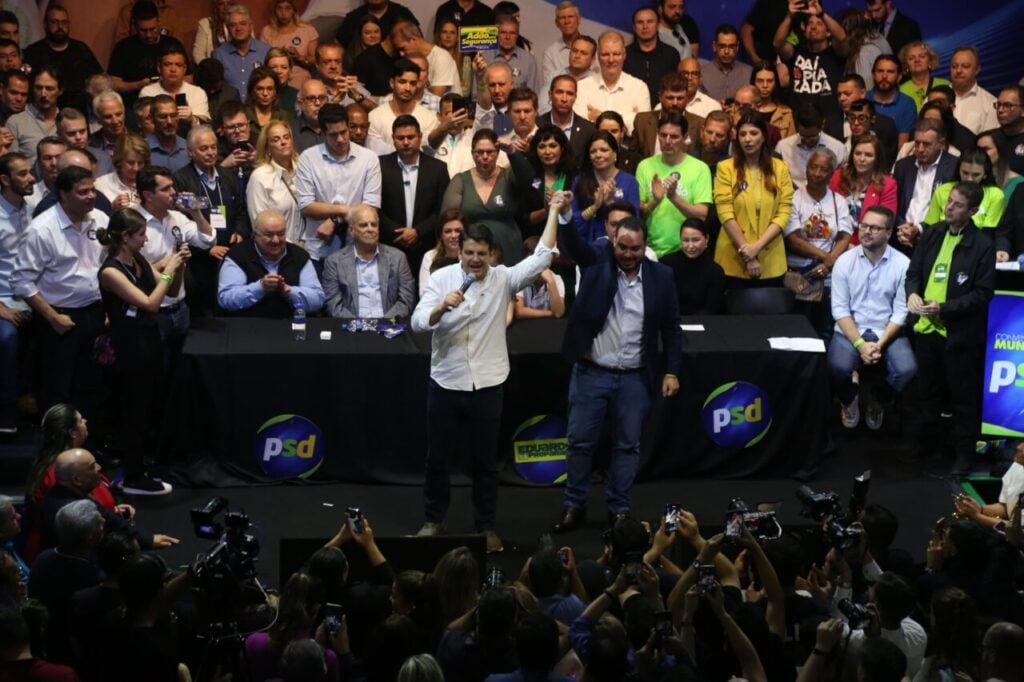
point(367, 279)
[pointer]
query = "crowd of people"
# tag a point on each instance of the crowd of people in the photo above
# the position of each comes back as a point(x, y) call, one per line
point(669, 599)
point(618, 181)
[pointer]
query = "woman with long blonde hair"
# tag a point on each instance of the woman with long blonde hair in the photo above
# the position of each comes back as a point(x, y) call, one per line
point(288, 31)
point(272, 184)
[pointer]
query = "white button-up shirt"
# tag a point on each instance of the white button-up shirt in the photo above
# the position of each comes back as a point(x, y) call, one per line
point(974, 110)
point(321, 177)
point(629, 96)
point(796, 155)
point(160, 241)
point(271, 186)
point(60, 260)
point(924, 187)
point(468, 348)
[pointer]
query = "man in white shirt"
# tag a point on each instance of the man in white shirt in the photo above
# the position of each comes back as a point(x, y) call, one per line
point(56, 274)
point(405, 77)
point(975, 106)
point(465, 306)
point(796, 150)
point(444, 76)
point(696, 101)
point(172, 69)
point(612, 89)
point(893, 599)
point(166, 230)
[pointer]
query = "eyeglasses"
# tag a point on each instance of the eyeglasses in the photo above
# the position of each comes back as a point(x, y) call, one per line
point(1004, 105)
point(316, 99)
point(236, 126)
point(868, 227)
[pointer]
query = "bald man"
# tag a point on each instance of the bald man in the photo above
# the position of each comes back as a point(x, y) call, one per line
point(268, 276)
point(78, 473)
point(1002, 653)
point(697, 102)
point(81, 159)
point(367, 279)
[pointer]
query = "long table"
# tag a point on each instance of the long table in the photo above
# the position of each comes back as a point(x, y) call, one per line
point(368, 396)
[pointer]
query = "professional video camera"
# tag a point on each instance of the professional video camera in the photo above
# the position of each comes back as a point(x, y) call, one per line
point(761, 524)
point(827, 508)
point(232, 559)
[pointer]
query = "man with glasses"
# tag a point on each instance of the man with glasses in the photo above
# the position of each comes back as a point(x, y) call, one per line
point(697, 102)
point(861, 118)
point(236, 148)
point(870, 309)
point(305, 128)
point(724, 74)
point(1010, 136)
point(242, 53)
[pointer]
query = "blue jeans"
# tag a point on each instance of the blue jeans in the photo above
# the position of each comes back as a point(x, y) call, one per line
point(8, 364)
point(595, 393)
point(843, 359)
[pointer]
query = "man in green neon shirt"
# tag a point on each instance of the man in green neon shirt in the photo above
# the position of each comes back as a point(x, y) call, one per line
point(949, 283)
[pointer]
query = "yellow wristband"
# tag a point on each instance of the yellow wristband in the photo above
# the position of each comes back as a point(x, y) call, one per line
point(859, 342)
point(167, 278)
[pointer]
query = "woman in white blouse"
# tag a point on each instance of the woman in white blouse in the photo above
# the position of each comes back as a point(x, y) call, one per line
point(272, 184)
point(131, 154)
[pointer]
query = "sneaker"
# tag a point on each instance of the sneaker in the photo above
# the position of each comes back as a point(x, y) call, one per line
point(494, 545)
point(430, 530)
point(144, 485)
point(874, 415)
point(851, 413)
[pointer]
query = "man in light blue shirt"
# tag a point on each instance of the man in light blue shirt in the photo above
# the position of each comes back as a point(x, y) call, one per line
point(16, 183)
point(243, 52)
point(331, 179)
point(267, 276)
point(166, 147)
point(869, 306)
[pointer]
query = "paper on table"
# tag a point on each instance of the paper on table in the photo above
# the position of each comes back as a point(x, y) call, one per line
point(692, 327)
point(797, 343)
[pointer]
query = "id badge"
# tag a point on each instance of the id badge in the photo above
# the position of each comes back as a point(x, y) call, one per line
point(941, 272)
point(131, 311)
point(218, 218)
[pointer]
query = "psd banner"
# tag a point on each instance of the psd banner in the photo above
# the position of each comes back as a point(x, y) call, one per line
point(1003, 398)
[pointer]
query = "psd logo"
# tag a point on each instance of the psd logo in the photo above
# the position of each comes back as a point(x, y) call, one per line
point(289, 446)
point(538, 449)
point(737, 415)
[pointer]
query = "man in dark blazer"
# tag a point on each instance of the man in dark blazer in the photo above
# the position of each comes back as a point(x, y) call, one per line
point(367, 279)
point(672, 96)
point(411, 228)
point(897, 28)
point(950, 280)
point(625, 304)
point(929, 156)
point(227, 214)
point(562, 95)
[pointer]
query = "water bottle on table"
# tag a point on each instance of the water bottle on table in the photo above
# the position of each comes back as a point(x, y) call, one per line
point(299, 323)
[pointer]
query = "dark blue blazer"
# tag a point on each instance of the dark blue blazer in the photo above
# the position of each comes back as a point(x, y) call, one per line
point(598, 285)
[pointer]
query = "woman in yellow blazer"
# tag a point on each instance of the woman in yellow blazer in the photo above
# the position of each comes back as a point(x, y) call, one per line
point(753, 197)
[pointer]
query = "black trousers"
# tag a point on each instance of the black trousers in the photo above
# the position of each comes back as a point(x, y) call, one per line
point(953, 377)
point(68, 370)
point(466, 421)
point(138, 370)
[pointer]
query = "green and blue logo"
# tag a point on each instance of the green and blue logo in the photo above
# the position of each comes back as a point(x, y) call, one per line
point(289, 446)
point(538, 449)
point(737, 415)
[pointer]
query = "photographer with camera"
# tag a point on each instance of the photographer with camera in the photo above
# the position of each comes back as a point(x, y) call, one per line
point(891, 601)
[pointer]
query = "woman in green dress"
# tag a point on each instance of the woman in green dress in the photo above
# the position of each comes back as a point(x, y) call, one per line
point(490, 195)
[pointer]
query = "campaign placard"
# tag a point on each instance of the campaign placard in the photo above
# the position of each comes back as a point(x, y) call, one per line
point(478, 38)
point(1002, 409)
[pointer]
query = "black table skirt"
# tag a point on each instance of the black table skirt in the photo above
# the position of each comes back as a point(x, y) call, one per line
point(368, 396)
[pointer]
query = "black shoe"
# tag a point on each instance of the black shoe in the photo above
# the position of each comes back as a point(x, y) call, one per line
point(615, 517)
point(570, 519)
point(144, 485)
